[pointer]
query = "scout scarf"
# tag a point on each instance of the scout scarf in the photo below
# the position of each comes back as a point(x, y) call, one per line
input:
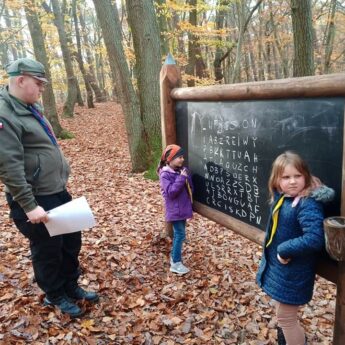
point(39, 117)
point(275, 215)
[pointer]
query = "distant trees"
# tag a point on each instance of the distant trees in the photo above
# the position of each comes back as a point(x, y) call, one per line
point(32, 17)
point(114, 49)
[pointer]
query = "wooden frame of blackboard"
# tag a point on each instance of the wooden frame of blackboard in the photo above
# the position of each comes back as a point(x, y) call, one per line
point(332, 85)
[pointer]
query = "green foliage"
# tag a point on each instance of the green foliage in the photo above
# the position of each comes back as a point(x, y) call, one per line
point(66, 134)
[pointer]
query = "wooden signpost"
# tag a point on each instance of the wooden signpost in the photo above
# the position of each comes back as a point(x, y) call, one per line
point(232, 133)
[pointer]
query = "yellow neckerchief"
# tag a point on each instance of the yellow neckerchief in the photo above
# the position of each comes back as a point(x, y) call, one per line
point(275, 214)
point(189, 189)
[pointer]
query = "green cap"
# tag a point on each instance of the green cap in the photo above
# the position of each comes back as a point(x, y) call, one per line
point(26, 66)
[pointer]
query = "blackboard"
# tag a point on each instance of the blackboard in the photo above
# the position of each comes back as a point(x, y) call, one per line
point(230, 147)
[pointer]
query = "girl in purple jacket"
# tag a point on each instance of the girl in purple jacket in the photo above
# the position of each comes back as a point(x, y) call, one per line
point(176, 188)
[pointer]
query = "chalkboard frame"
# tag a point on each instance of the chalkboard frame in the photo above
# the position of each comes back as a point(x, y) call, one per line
point(331, 85)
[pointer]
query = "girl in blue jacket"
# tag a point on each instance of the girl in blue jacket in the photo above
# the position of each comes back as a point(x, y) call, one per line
point(294, 236)
point(176, 188)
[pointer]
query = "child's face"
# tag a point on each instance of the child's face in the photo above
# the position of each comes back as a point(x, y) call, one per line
point(292, 182)
point(177, 162)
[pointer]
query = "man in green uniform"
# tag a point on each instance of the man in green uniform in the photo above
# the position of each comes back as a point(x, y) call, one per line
point(35, 172)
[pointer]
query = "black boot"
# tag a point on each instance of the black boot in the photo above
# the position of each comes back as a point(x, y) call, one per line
point(280, 336)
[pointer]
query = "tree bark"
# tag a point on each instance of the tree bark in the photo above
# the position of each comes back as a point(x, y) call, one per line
point(99, 94)
point(146, 40)
point(243, 24)
point(108, 18)
point(72, 91)
point(163, 26)
point(303, 62)
point(31, 11)
point(79, 57)
point(329, 44)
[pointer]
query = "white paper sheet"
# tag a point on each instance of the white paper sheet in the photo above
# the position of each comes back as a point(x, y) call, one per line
point(74, 216)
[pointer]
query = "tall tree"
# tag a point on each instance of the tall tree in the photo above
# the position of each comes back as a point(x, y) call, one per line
point(244, 19)
point(219, 22)
point(79, 57)
point(31, 11)
point(163, 26)
point(330, 34)
point(303, 62)
point(72, 91)
point(146, 40)
point(196, 65)
point(100, 96)
point(108, 18)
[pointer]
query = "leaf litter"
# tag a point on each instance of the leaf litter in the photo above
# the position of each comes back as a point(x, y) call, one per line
point(126, 258)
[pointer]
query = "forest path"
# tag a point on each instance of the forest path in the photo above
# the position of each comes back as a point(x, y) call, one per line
point(126, 260)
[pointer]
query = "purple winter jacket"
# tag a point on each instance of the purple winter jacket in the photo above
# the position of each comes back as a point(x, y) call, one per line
point(178, 205)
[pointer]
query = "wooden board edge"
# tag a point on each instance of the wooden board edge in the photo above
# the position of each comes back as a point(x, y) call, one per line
point(326, 267)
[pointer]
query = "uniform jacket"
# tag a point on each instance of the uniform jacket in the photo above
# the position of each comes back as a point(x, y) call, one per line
point(300, 237)
point(30, 164)
point(178, 205)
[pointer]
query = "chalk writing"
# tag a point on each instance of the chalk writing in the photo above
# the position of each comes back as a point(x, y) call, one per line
point(230, 147)
point(230, 165)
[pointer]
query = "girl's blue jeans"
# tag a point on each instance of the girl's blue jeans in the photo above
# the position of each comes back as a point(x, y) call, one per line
point(179, 227)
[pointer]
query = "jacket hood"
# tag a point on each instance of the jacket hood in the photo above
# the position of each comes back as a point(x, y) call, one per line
point(323, 194)
point(168, 169)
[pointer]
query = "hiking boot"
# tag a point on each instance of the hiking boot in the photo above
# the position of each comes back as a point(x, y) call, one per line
point(79, 293)
point(179, 268)
point(65, 305)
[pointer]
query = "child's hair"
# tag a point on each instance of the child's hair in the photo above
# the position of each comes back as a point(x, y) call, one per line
point(169, 153)
point(295, 160)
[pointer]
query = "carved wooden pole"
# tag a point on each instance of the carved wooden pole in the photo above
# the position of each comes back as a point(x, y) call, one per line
point(335, 245)
point(170, 78)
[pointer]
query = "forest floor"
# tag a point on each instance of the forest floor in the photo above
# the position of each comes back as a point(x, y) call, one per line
point(126, 259)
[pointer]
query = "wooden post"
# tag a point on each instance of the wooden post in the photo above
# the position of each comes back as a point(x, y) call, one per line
point(335, 245)
point(339, 322)
point(170, 78)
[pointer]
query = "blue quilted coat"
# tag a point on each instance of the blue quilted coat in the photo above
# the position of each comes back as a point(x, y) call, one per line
point(300, 237)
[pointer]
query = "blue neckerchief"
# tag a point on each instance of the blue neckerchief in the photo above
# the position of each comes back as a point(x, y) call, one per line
point(39, 117)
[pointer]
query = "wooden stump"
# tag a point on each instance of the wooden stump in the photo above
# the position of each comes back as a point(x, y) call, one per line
point(335, 237)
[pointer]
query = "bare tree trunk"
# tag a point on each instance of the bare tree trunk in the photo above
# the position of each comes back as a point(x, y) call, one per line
point(89, 95)
point(100, 96)
point(190, 69)
point(31, 11)
point(163, 26)
point(303, 63)
point(243, 24)
point(219, 22)
point(252, 58)
point(146, 40)
point(330, 37)
point(108, 18)
point(68, 107)
point(8, 23)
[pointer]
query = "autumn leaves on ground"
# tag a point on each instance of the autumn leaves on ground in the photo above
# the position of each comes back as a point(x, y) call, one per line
point(127, 261)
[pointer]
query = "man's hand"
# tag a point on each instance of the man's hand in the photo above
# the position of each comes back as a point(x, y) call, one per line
point(37, 215)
